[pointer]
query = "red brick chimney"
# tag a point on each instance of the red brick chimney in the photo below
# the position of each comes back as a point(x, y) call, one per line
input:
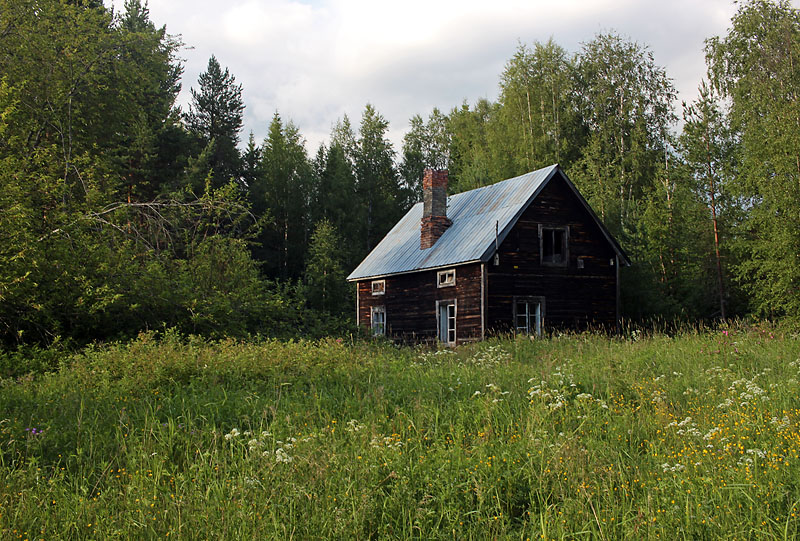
point(434, 213)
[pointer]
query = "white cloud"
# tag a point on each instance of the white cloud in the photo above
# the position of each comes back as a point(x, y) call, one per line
point(314, 61)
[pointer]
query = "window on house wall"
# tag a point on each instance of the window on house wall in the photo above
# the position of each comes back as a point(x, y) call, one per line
point(512, 240)
point(378, 320)
point(446, 278)
point(554, 245)
point(446, 321)
point(528, 315)
point(378, 287)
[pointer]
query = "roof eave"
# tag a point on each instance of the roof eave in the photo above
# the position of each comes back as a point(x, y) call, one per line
point(490, 251)
point(412, 271)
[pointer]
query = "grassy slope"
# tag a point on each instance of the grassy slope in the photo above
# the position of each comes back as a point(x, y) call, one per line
point(577, 436)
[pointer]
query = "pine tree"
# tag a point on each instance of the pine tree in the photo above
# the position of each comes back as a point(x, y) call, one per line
point(708, 146)
point(215, 116)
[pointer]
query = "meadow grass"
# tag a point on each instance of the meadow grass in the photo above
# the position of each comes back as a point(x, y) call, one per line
point(576, 436)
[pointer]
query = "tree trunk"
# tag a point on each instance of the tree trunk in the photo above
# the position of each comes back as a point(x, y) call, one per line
point(712, 197)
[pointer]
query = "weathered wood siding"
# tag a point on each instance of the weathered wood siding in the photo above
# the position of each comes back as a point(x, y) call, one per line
point(574, 298)
point(410, 303)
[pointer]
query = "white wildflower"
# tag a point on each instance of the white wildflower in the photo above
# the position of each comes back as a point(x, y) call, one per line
point(281, 456)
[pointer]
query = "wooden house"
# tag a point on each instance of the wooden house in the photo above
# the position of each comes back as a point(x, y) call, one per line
point(521, 255)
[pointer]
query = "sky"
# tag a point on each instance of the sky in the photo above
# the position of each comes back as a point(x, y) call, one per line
point(315, 61)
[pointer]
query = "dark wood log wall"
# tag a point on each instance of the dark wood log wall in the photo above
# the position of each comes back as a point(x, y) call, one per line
point(574, 298)
point(410, 303)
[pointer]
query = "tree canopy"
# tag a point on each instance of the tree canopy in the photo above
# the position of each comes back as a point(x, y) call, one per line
point(120, 213)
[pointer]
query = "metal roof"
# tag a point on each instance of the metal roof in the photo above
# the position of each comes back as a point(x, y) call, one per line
point(471, 237)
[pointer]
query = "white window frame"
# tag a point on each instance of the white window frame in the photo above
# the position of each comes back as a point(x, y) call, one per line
point(543, 230)
point(378, 327)
point(378, 287)
point(446, 278)
point(533, 319)
point(451, 332)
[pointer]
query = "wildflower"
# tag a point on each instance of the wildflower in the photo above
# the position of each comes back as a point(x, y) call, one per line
point(281, 456)
point(555, 405)
point(352, 426)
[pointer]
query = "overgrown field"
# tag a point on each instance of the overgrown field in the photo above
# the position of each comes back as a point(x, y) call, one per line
point(694, 436)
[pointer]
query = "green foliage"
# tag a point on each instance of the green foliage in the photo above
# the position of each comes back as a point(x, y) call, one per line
point(224, 295)
point(672, 276)
point(756, 66)
point(332, 198)
point(381, 198)
point(326, 288)
point(215, 117)
point(708, 146)
point(282, 183)
point(470, 160)
point(425, 145)
point(575, 436)
point(538, 112)
point(145, 159)
point(625, 99)
point(114, 218)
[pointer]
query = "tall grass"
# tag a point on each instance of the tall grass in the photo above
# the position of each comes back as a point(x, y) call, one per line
point(575, 436)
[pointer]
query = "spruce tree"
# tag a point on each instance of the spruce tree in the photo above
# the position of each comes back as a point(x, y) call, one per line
point(284, 178)
point(379, 193)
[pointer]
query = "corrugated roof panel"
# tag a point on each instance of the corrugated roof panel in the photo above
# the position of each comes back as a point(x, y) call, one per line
point(472, 234)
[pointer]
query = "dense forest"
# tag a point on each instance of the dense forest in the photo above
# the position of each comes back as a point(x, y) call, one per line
point(120, 212)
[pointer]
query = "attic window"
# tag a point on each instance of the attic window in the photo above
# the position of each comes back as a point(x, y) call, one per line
point(512, 241)
point(554, 245)
point(378, 287)
point(446, 278)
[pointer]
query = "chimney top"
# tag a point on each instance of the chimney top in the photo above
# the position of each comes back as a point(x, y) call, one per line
point(434, 209)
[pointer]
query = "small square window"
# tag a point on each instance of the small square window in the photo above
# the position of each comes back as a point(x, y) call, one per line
point(378, 287)
point(446, 278)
